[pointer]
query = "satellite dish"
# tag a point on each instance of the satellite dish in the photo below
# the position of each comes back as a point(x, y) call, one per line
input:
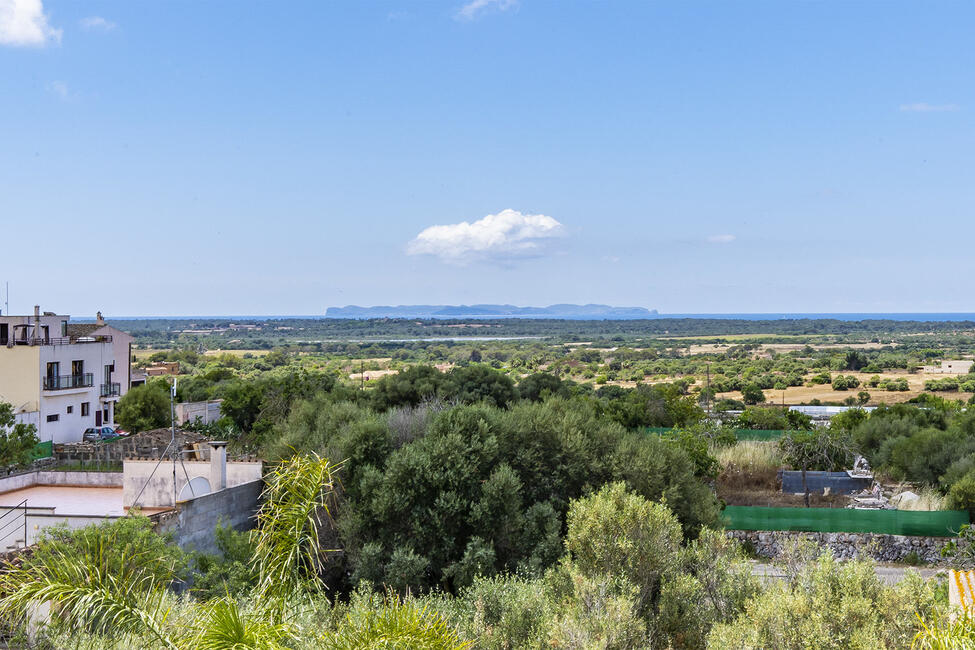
point(197, 487)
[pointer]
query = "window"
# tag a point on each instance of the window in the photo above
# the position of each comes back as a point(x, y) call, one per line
point(84, 409)
point(70, 408)
point(53, 418)
point(53, 369)
point(77, 368)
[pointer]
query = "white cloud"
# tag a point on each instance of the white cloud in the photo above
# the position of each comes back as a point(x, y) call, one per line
point(922, 107)
point(23, 23)
point(60, 90)
point(721, 239)
point(475, 8)
point(97, 23)
point(507, 234)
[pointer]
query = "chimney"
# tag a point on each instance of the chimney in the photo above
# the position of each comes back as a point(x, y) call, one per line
point(218, 465)
point(98, 319)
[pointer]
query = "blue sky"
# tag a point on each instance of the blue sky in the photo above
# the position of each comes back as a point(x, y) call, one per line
point(178, 157)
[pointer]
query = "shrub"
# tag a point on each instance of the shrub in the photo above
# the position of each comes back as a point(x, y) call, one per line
point(618, 533)
point(830, 604)
point(961, 496)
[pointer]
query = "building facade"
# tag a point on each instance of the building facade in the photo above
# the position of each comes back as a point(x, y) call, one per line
point(60, 376)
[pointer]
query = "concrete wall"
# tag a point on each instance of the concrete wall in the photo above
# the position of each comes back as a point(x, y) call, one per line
point(193, 521)
point(87, 479)
point(207, 411)
point(883, 548)
point(837, 482)
point(159, 490)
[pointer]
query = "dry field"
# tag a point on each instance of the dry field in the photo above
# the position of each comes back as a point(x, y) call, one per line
point(782, 348)
point(371, 374)
point(825, 392)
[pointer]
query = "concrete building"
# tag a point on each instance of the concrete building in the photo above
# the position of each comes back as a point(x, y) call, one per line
point(62, 377)
point(951, 367)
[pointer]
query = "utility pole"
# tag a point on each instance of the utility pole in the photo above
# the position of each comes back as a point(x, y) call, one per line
point(707, 394)
point(172, 441)
point(362, 374)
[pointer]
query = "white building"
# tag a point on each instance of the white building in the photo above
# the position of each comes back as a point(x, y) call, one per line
point(951, 367)
point(61, 376)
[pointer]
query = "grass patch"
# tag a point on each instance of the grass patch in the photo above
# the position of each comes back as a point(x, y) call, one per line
point(749, 464)
point(930, 499)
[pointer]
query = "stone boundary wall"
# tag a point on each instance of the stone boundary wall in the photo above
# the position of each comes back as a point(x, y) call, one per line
point(883, 548)
point(194, 521)
point(147, 444)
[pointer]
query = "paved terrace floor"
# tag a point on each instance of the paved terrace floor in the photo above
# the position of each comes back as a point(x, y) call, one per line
point(69, 500)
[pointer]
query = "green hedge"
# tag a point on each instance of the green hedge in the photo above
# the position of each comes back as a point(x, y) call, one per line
point(742, 434)
point(942, 523)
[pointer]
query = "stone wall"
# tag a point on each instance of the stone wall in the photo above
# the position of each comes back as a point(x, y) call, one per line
point(192, 523)
point(883, 548)
point(149, 444)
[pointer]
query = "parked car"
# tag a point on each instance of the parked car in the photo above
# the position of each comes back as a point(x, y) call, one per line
point(97, 434)
point(120, 432)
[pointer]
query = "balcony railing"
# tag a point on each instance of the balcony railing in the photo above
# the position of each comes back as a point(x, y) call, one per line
point(110, 390)
point(55, 340)
point(65, 382)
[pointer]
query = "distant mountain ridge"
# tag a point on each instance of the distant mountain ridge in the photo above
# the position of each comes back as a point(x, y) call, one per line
point(563, 311)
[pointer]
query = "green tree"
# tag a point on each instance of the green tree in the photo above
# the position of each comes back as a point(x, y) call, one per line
point(479, 382)
point(17, 440)
point(752, 394)
point(145, 407)
point(616, 532)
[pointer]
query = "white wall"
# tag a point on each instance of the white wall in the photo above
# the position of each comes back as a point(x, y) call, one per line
point(69, 427)
point(159, 491)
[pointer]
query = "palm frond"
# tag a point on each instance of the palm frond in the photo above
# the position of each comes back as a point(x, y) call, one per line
point(297, 502)
point(86, 597)
point(394, 625)
point(222, 626)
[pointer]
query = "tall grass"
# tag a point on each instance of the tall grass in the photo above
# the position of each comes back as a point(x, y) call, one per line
point(750, 456)
point(929, 499)
point(945, 632)
point(749, 465)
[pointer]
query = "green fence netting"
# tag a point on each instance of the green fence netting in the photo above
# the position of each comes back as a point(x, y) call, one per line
point(742, 434)
point(42, 450)
point(942, 523)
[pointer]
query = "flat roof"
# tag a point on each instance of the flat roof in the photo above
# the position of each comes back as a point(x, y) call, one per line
point(69, 500)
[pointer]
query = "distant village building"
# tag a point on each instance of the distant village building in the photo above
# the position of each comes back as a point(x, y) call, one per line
point(163, 369)
point(951, 367)
point(62, 377)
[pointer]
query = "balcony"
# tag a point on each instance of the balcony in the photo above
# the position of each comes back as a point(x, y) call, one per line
point(65, 382)
point(110, 390)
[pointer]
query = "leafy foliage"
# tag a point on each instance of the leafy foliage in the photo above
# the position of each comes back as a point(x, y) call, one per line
point(16, 439)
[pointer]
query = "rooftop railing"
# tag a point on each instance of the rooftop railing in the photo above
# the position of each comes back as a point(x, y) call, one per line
point(55, 340)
